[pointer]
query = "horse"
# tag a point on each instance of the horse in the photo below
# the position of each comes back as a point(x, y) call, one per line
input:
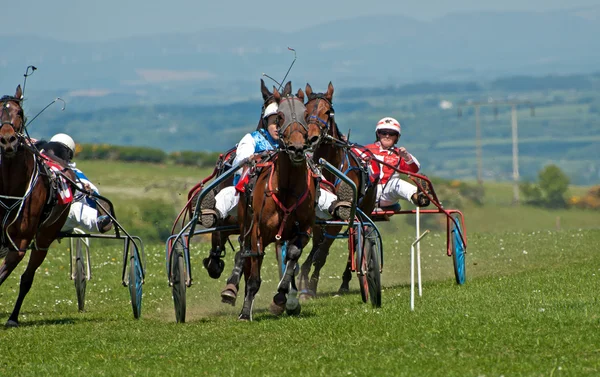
point(280, 205)
point(31, 213)
point(336, 150)
point(214, 263)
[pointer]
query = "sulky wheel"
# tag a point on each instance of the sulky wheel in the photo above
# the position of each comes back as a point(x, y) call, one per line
point(458, 250)
point(178, 278)
point(373, 272)
point(135, 278)
point(80, 273)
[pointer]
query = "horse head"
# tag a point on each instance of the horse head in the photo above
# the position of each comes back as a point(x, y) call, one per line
point(13, 120)
point(320, 111)
point(295, 134)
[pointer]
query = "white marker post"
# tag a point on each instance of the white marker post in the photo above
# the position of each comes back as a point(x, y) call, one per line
point(412, 261)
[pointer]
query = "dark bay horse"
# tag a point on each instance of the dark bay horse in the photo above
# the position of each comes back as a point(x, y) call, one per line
point(336, 150)
point(214, 263)
point(31, 214)
point(280, 206)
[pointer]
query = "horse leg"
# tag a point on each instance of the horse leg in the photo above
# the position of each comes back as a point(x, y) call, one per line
point(252, 267)
point(319, 261)
point(11, 261)
point(229, 294)
point(303, 280)
point(346, 277)
point(35, 260)
point(214, 263)
point(280, 299)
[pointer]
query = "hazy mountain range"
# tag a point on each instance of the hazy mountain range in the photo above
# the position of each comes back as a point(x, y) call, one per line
point(224, 65)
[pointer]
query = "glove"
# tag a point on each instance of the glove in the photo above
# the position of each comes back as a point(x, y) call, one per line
point(404, 154)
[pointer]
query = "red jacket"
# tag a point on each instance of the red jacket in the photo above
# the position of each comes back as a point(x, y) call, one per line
point(391, 156)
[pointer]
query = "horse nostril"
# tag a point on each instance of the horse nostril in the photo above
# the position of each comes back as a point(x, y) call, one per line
point(313, 140)
point(12, 139)
point(3, 141)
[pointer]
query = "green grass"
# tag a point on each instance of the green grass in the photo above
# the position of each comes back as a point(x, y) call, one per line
point(529, 308)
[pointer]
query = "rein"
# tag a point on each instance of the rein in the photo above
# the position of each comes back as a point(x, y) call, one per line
point(20, 201)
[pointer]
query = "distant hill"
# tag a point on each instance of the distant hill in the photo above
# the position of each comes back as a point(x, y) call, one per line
point(224, 65)
point(565, 129)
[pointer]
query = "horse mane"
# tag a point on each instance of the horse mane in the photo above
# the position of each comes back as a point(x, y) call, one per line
point(9, 98)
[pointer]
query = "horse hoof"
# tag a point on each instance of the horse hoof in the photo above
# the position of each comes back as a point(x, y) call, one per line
point(306, 295)
point(214, 267)
point(292, 306)
point(275, 309)
point(344, 289)
point(228, 297)
point(245, 318)
point(10, 323)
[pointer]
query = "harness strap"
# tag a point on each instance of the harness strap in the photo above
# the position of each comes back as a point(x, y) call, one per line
point(286, 210)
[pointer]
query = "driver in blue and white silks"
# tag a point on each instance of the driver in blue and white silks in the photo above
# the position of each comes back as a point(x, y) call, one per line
point(265, 139)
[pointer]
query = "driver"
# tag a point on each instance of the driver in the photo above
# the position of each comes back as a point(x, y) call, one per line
point(216, 208)
point(83, 213)
point(391, 187)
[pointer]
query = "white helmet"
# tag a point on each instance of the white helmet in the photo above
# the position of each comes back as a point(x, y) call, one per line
point(388, 123)
point(65, 140)
point(270, 110)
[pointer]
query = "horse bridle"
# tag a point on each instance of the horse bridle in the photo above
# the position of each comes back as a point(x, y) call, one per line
point(5, 101)
point(291, 111)
point(324, 125)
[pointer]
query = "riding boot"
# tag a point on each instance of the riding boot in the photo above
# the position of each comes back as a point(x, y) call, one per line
point(342, 207)
point(420, 198)
point(209, 215)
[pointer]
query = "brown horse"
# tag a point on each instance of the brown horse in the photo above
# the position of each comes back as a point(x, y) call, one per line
point(281, 205)
point(31, 215)
point(338, 152)
point(214, 263)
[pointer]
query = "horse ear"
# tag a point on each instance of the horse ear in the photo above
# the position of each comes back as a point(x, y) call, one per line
point(308, 90)
point(300, 95)
point(287, 90)
point(19, 92)
point(276, 95)
point(265, 92)
point(329, 94)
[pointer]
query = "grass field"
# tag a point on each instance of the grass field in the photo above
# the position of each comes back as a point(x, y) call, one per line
point(529, 307)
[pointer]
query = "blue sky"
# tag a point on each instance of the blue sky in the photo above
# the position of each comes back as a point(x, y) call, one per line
point(91, 20)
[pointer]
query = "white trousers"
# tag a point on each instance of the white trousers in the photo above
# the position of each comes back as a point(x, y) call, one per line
point(394, 190)
point(227, 200)
point(81, 216)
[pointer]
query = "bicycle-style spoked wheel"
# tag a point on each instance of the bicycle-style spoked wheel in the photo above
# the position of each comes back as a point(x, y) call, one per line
point(361, 266)
point(80, 273)
point(135, 278)
point(373, 273)
point(458, 250)
point(178, 277)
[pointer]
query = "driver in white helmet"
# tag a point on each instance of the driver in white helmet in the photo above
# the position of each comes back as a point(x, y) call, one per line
point(391, 187)
point(83, 213)
point(215, 208)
